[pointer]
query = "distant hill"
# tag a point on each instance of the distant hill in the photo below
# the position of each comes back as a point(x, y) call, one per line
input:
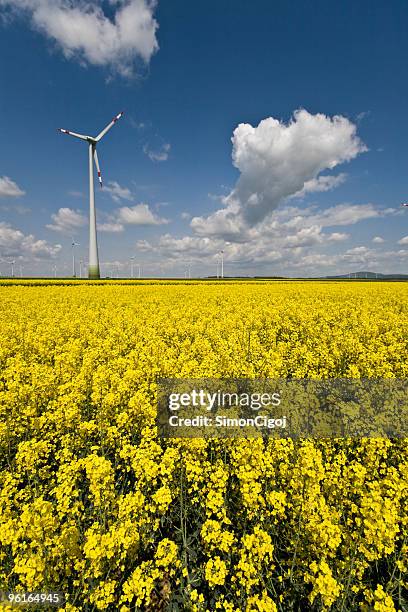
point(370, 275)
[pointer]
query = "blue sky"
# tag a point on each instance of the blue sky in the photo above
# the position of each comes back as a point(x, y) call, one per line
point(294, 193)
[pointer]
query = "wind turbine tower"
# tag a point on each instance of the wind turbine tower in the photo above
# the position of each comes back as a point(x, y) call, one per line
point(93, 267)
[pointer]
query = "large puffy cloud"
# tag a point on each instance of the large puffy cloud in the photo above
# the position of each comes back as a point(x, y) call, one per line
point(82, 30)
point(14, 243)
point(292, 240)
point(9, 189)
point(278, 161)
point(307, 231)
point(67, 221)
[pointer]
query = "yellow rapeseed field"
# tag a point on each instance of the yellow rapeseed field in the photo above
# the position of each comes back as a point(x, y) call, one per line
point(95, 505)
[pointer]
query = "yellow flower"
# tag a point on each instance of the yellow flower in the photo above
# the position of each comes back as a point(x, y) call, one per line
point(324, 585)
point(215, 571)
point(94, 503)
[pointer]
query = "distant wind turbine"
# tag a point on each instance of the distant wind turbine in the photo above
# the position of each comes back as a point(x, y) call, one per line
point(73, 245)
point(93, 268)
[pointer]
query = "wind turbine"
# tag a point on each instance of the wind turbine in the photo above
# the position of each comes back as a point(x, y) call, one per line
point(132, 267)
point(93, 268)
point(3, 261)
point(73, 245)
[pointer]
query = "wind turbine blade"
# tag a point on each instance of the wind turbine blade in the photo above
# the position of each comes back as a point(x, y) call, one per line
point(81, 136)
point(97, 167)
point(108, 127)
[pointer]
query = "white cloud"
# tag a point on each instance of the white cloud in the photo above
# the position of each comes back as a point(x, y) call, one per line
point(67, 221)
point(186, 216)
point(139, 125)
point(140, 214)
point(9, 189)
point(358, 255)
point(14, 243)
point(295, 239)
point(307, 236)
point(111, 226)
point(338, 236)
point(190, 245)
point(117, 192)
point(320, 184)
point(159, 154)
point(403, 240)
point(362, 115)
point(360, 250)
point(304, 253)
point(18, 208)
point(378, 240)
point(216, 197)
point(277, 161)
point(349, 214)
point(83, 31)
point(144, 245)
